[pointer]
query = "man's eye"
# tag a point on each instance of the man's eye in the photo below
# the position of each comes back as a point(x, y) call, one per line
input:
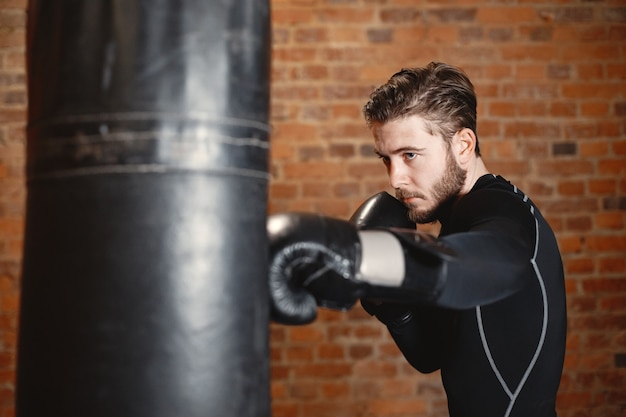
point(385, 159)
point(410, 155)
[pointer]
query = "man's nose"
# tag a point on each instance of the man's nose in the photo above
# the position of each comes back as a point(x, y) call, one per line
point(397, 175)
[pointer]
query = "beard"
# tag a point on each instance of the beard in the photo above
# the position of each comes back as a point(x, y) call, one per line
point(444, 191)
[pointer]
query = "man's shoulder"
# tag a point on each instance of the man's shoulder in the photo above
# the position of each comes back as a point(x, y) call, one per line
point(492, 197)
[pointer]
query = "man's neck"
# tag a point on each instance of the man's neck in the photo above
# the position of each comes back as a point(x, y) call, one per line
point(475, 170)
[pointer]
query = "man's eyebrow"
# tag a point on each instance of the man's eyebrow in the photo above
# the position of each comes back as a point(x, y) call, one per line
point(403, 149)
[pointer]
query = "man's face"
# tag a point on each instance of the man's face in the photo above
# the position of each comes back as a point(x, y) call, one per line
point(421, 168)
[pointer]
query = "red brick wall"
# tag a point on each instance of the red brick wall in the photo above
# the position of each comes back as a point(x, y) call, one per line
point(551, 81)
point(13, 102)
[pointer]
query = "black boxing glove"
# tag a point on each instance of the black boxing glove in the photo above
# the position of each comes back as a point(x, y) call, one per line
point(383, 210)
point(313, 260)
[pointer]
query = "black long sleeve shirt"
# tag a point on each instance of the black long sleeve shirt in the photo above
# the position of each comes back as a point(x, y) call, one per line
point(502, 359)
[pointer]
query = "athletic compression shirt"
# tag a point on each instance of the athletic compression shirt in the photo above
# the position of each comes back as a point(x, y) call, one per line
point(503, 359)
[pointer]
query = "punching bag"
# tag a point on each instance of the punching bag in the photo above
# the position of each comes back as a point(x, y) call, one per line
point(144, 271)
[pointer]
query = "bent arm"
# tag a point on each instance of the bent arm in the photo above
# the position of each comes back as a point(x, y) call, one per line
point(422, 336)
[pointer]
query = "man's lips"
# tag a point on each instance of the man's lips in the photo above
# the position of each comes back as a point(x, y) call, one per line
point(410, 199)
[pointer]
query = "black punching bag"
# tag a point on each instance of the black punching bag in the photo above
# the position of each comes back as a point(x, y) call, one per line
point(144, 276)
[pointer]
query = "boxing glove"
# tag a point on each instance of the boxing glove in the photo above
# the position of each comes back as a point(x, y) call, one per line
point(316, 260)
point(378, 211)
point(382, 210)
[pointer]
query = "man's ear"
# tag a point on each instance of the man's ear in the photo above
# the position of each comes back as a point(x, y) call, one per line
point(465, 144)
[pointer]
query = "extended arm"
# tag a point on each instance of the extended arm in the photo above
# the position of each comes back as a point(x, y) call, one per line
point(319, 260)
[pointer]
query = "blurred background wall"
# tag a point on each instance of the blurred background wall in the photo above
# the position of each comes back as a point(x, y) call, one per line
point(551, 84)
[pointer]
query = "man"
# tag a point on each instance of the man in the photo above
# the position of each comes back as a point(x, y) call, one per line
point(484, 302)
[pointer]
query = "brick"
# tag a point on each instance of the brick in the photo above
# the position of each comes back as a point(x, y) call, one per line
point(348, 111)
point(571, 188)
point(366, 169)
point(313, 170)
point(323, 370)
point(506, 15)
point(568, 14)
point(469, 34)
point(365, 389)
point(604, 285)
point(538, 33)
point(595, 109)
point(564, 148)
point(315, 190)
point(570, 244)
point(295, 93)
point(291, 17)
point(609, 220)
point(614, 14)
point(498, 71)
point(606, 243)
point(579, 266)
point(617, 33)
point(613, 303)
point(303, 390)
point(532, 130)
point(346, 34)
point(311, 72)
point(530, 52)
point(285, 410)
point(614, 203)
point(602, 186)
point(10, 302)
point(444, 34)
point(509, 169)
point(360, 352)
point(305, 334)
point(298, 354)
point(579, 223)
point(540, 188)
point(612, 167)
point(384, 35)
point(453, 14)
point(411, 34)
point(500, 34)
point(617, 71)
point(335, 390)
point(394, 407)
point(345, 15)
point(375, 369)
point(595, 148)
point(583, 90)
point(398, 388)
point(502, 108)
point(340, 409)
point(326, 351)
point(577, 305)
point(311, 153)
point(562, 109)
point(9, 116)
point(346, 189)
point(310, 35)
point(341, 150)
point(399, 15)
point(344, 92)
